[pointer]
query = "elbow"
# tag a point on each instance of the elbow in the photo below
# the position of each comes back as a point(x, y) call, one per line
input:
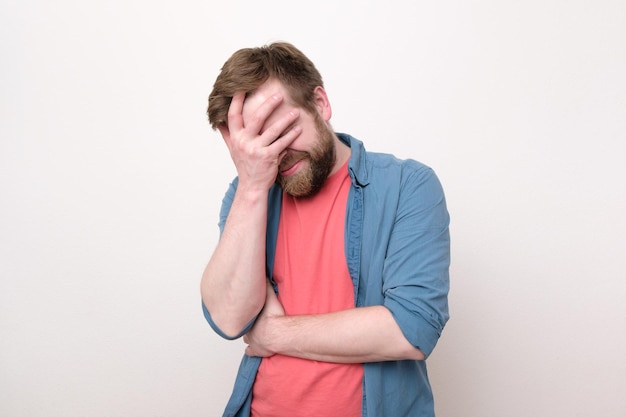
point(415, 354)
point(406, 351)
point(229, 319)
point(228, 324)
point(231, 330)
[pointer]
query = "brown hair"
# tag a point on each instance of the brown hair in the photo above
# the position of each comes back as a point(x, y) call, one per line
point(248, 68)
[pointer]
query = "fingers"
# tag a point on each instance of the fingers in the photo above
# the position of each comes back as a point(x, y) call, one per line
point(260, 129)
point(255, 125)
point(280, 128)
point(262, 113)
point(235, 112)
point(282, 142)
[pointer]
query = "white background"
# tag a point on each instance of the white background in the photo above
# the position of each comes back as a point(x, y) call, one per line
point(111, 179)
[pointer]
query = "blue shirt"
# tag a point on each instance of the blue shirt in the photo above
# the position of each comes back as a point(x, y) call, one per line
point(397, 247)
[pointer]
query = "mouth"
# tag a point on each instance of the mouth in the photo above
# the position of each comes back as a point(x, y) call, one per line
point(290, 168)
point(290, 164)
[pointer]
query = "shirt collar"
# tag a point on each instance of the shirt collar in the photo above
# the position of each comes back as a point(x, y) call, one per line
point(357, 163)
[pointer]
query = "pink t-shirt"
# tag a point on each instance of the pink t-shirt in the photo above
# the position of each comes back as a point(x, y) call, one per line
point(312, 276)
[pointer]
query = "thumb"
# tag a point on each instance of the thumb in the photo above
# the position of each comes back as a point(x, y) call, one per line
point(223, 128)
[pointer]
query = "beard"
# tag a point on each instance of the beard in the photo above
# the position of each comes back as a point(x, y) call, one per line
point(321, 158)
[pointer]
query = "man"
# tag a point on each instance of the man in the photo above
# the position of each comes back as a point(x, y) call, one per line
point(332, 261)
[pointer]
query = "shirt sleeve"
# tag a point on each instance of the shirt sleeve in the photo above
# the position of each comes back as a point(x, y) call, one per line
point(219, 331)
point(415, 276)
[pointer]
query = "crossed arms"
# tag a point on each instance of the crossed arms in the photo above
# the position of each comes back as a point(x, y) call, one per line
point(234, 286)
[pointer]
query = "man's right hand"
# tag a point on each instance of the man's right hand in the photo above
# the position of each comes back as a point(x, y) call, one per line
point(257, 146)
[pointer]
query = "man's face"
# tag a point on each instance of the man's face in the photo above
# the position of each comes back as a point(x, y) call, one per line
point(311, 157)
point(303, 173)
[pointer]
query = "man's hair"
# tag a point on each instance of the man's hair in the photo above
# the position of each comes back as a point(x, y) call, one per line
point(248, 68)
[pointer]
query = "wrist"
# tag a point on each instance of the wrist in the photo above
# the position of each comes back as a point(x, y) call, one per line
point(251, 193)
point(276, 336)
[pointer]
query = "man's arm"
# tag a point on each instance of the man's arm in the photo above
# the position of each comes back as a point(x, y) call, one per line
point(415, 287)
point(233, 283)
point(365, 334)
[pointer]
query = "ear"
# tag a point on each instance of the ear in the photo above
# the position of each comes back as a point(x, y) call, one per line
point(322, 103)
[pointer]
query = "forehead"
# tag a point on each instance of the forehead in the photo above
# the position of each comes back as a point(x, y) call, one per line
point(265, 91)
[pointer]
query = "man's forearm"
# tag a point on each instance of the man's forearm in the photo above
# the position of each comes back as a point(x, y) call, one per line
point(367, 334)
point(233, 283)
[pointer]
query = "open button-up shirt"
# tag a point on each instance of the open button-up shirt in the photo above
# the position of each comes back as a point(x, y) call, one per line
point(397, 247)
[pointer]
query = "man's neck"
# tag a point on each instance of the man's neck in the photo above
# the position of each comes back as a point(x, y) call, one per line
point(342, 154)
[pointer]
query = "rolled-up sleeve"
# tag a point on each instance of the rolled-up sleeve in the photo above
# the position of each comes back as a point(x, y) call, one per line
point(415, 275)
point(219, 331)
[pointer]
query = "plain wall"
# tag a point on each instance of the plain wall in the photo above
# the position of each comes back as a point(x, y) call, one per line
point(111, 180)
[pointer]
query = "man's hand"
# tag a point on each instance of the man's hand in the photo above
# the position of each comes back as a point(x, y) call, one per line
point(260, 336)
point(257, 149)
